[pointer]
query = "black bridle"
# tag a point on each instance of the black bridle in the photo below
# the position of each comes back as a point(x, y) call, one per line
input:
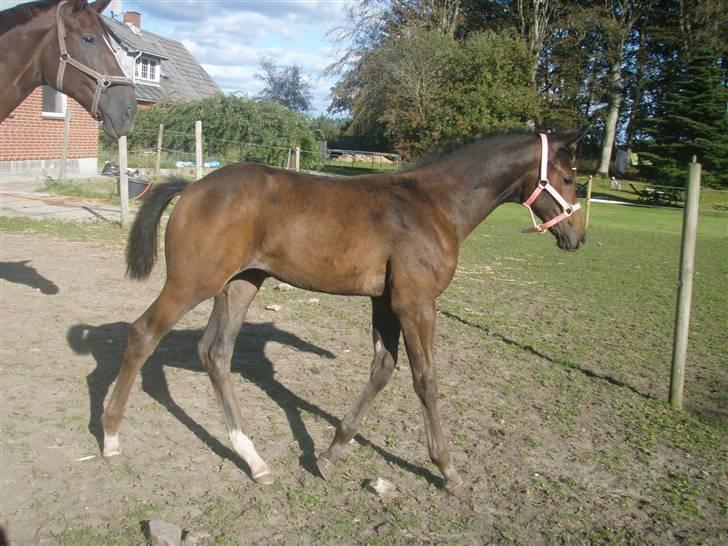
point(103, 81)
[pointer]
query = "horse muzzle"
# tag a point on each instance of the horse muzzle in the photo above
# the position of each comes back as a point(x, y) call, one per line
point(116, 110)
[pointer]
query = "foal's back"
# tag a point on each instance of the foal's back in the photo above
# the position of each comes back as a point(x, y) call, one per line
point(319, 233)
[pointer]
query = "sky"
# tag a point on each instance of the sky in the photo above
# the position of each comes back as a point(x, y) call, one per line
point(229, 37)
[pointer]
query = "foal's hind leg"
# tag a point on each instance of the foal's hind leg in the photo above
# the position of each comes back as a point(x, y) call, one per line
point(385, 329)
point(418, 326)
point(144, 335)
point(215, 350)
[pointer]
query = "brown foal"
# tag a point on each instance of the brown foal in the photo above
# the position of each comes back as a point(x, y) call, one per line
point(392, 237)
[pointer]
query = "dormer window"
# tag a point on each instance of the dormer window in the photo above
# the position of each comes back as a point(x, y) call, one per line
point(147, 69)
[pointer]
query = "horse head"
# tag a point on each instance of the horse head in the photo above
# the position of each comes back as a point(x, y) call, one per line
point(83, 65)
point(550, 192)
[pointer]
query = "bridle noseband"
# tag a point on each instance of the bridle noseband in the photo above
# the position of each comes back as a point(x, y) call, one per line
point(543, 184)
point(103, 81)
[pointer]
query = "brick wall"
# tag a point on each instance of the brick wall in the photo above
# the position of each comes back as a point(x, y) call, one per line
point(27, 135)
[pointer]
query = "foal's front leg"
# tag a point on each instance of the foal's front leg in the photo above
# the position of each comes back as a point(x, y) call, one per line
point(385, 331)
point(418, 326)
point(216, 349)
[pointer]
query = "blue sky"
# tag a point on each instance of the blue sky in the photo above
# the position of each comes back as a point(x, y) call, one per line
point(229, 37)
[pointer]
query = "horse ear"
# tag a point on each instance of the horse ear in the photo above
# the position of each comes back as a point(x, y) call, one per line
point(100, 5)
point(566, 139)
point(78, 5)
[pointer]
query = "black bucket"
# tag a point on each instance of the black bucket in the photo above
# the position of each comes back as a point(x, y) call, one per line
point(137, 187)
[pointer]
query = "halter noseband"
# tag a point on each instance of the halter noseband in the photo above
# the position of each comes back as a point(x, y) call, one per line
point(543, 184)
point(103, 81)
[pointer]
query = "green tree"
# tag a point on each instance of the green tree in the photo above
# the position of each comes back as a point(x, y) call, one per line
point(692, 120)
point(285, 85)
point(422, 88)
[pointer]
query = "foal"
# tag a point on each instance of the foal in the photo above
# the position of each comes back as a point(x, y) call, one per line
point(392, 237)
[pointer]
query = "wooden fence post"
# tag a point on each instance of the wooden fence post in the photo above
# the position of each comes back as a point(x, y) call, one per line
point(159, 148)
point(588, 201)
point(198, 148)
point(123, 183)
point(298, 158)
point(66, 142)
point(685, 286)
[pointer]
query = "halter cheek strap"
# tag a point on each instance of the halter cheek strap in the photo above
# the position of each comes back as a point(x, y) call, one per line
point(544, 185)
point(103, 81)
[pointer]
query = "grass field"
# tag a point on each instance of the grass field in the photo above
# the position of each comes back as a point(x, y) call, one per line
point(554, 373)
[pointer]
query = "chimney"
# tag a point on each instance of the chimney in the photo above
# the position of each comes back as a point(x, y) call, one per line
point(133, 18)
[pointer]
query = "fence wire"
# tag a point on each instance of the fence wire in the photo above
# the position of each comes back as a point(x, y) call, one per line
point(177, 152)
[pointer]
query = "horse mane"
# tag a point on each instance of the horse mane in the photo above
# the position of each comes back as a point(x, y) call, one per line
point(23, 13)
point(461, 145)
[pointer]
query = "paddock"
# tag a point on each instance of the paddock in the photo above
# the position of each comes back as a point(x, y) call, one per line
point(553, 372)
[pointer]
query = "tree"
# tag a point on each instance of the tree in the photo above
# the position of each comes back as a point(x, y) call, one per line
point(618, 22)
point(692, 120)
point(423, 89)
point(285, 85)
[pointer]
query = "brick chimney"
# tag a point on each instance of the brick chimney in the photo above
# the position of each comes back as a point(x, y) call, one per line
point(133, 18)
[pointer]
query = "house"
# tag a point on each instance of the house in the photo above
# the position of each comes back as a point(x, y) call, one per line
point(163, 69)
point(31, 138)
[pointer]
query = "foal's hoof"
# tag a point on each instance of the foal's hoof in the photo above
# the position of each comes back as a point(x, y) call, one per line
point(111, 446)
point(266, 478)
point(325, 467)
point(454, 485)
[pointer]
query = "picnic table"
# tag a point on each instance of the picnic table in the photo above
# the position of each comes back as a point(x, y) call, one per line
point(660, 195)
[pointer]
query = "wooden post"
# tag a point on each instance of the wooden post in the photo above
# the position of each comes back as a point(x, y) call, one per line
point(588, 201)
point(685, 286)
point(198, 148)
point(123, 183)
point(159, 148)
point(66, 141)
point(298, 158)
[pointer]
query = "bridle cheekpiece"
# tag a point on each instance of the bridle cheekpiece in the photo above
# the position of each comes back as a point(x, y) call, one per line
point(544, 184)
point(103, 81)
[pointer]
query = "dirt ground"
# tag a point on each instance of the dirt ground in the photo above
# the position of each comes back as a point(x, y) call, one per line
point(533, 476)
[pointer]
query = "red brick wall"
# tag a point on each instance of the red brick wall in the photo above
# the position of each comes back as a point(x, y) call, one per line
point(27, 135)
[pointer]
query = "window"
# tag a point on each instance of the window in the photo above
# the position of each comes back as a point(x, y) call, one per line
point(54, 103)
point(147, 69)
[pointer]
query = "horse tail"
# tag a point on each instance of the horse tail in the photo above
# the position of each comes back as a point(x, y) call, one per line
point(141, 251)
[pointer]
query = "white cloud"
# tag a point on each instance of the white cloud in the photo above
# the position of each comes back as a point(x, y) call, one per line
point(230, 37)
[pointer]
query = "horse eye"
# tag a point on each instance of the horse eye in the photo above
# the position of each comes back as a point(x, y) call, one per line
point(568, 180)
point(89, 39)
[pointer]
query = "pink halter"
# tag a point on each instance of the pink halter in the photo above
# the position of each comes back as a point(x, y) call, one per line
point(543, 184)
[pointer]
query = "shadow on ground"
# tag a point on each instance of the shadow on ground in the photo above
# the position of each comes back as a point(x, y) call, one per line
point(22, 273)
point(106, 344)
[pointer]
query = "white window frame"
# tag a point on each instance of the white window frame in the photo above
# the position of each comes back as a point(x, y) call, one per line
point(151, 62)
point(64, 105)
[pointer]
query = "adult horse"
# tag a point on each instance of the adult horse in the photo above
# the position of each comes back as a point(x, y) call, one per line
point(64, 44)
point(392, 237)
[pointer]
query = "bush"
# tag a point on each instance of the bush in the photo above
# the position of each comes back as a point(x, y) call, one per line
point(234, 128)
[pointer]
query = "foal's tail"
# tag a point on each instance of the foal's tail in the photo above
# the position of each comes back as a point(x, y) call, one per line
point(141, 251)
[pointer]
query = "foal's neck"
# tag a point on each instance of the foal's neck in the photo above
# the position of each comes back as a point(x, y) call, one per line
point(477, 179)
